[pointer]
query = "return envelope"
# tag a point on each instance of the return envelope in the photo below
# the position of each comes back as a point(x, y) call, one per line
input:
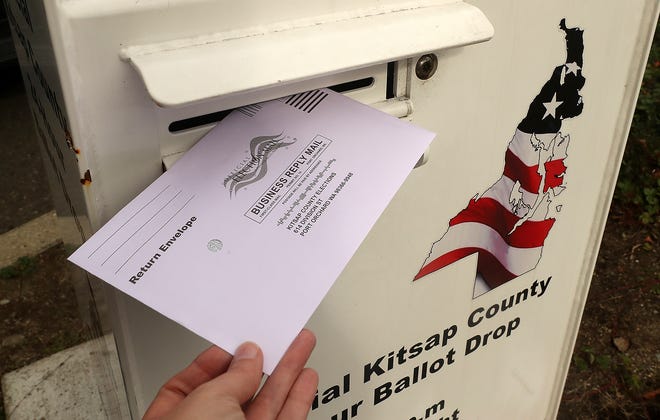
point(244, 235)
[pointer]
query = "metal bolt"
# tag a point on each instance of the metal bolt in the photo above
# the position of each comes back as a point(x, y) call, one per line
point(426, 66)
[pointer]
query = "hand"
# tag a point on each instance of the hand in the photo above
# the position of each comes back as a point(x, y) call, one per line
point(218, 386)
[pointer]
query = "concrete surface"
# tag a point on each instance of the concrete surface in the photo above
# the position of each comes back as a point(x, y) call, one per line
point(64, 385)
point(29, 239)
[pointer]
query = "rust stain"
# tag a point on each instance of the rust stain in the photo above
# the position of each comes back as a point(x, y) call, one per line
point(87, 179)
point(69, 142)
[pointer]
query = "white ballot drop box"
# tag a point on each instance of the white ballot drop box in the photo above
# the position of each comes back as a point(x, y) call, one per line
point(465, 298)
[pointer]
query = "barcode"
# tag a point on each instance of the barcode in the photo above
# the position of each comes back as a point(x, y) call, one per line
point(249, 110)
point(306, 101)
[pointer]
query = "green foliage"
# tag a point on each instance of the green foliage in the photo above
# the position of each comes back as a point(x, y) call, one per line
point(590, 359)
point(629, 377)
point(21, 268)
point(619, 366)
point(580, 363)
point(656, 289)
point(638, 187)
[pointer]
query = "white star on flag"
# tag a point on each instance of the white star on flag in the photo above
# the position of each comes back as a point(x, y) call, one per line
point(551, 107)
point(572, 68)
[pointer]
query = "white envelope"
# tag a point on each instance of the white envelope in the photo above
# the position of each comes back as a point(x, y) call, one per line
point(242, 238)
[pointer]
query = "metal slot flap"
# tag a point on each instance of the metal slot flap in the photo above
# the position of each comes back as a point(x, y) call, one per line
point(191, 70)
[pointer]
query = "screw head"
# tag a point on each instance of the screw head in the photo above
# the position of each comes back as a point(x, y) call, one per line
point(426, 66)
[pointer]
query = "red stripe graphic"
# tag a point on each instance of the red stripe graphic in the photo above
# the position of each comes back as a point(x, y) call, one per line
point(554, 174)
point(528, 176)
point(497, 226)
point(487, 211)
point(515, 169)
point(493, 272)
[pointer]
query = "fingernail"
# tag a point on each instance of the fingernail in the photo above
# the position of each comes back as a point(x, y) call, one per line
point(246, 351)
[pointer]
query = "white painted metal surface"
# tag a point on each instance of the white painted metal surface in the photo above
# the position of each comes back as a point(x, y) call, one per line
point(261, 57)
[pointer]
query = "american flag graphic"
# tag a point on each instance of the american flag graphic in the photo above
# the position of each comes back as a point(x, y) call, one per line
point(507, 225)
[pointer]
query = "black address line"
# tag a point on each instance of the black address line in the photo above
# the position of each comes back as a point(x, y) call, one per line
point(131, 218)
point(161, 228)
point(140, 228)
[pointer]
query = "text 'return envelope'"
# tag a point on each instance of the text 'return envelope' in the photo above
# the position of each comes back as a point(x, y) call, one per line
point(242, 238)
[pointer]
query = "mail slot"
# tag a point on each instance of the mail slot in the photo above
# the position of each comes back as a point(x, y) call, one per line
point(465, 297)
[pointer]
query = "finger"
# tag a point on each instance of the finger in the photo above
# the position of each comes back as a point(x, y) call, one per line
point(209, 364)
point(271, 398)
point(299, 401)
point(243, 377)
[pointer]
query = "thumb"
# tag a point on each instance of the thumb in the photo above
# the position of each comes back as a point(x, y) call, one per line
point(243, 377)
